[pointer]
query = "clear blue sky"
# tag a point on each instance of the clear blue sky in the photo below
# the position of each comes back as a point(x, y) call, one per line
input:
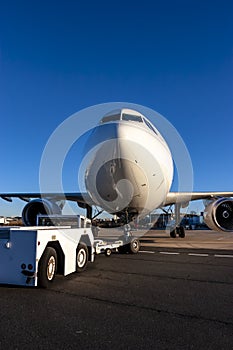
point(57, 57)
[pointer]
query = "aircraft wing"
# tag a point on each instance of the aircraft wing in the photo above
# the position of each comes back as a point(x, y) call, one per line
point(71, 196)
point(172, 197)
point(185, 197)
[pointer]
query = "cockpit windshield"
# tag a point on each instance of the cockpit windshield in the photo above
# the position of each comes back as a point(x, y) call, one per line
point(150, 126)
point(131, 117)
point(110, 118)
point(123, 116)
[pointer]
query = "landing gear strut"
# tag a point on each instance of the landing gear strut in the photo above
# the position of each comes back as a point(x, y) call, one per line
point(131, 244)
point(178, 230)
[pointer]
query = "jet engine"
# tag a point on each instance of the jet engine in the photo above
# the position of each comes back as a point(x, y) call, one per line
point(39, 206)
point(218, 215)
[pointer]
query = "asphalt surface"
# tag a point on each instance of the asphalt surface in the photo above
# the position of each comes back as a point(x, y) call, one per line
point(168, 296)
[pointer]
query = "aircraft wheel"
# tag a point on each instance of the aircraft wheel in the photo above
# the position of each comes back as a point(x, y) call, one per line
point(47, 267)
point(173, 233)
point(181, 232)
point(134, 246)
point(81, 257)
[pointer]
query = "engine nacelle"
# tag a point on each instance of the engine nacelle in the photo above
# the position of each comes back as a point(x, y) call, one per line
point(218, 215)
point(39, 206)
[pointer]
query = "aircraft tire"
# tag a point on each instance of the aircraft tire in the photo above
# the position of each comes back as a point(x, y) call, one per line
point(47, 267)
point(181, 232)
point(173, 233)
point(133, 247)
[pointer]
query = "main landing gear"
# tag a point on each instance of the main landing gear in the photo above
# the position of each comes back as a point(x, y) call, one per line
point(178, 230)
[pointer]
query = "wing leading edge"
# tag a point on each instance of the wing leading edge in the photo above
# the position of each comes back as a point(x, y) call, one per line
point(70, 196)
point(184, 197)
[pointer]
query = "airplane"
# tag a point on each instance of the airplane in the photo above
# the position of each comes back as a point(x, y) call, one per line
point(129, 173)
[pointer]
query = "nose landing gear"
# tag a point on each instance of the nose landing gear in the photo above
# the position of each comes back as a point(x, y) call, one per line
point(131, 244)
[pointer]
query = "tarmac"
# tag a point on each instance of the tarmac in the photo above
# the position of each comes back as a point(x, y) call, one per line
point(173, 294)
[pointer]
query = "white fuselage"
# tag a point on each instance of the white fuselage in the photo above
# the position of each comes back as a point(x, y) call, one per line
point(130, 166)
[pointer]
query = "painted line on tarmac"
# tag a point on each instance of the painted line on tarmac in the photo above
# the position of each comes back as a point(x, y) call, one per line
point(190, 254)
point(170, 253)
point(196, 254)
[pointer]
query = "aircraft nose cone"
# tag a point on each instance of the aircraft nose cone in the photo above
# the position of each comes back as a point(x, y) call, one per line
point(119, 183)
point(111, 174)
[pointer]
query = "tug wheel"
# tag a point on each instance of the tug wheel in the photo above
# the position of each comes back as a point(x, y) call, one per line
point(108, 252)
point(81, 257)
point(47, 267)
